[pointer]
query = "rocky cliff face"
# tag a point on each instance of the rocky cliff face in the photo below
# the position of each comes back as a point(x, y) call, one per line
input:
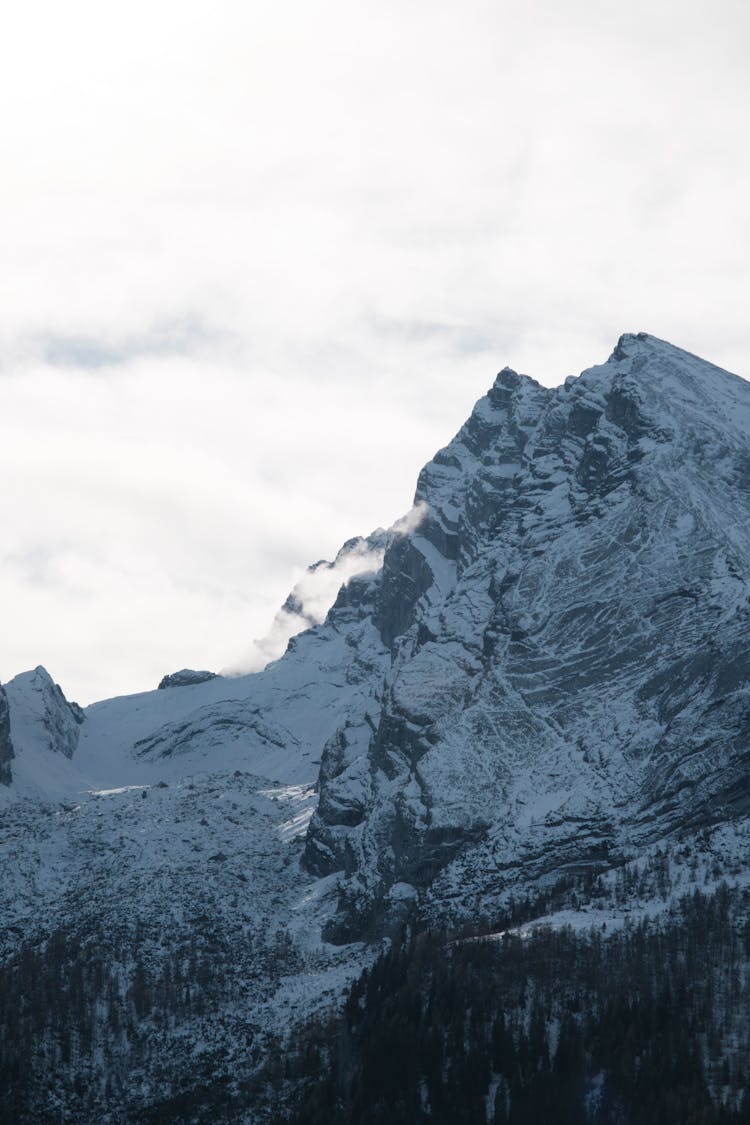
point(41, 718)
point(6, 745)
point(570, 670)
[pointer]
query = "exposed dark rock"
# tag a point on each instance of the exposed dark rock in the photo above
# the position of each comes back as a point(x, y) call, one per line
point(187, 677)
point(6, 745)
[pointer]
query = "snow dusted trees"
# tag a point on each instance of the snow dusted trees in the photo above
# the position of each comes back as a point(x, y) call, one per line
point(645, 1026)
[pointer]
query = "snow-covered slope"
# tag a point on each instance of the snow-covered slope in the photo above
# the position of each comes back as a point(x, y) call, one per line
point(270, 727)
point(178, 822)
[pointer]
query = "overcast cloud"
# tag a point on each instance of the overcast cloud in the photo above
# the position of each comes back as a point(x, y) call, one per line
point(259, 259)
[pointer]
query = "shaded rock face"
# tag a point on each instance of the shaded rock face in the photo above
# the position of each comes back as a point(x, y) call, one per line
point(186, 677)
point(570, 669)
point(6, 746)
point(40, 715)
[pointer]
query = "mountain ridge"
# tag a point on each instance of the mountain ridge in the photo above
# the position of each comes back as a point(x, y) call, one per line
point(530, 465)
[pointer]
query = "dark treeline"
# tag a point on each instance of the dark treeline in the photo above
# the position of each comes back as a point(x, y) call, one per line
point(649, 1025)
point(100, 1026)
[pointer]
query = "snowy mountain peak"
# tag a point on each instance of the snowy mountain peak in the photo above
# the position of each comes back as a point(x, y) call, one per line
point(635, 343)
point(42, 721)
point(655, 360)
point(551, 691)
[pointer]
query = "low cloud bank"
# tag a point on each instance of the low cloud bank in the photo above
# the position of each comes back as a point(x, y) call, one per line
point(314, 594)
point(409, 523)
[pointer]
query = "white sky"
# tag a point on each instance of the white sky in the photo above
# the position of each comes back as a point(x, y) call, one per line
point(258, 259)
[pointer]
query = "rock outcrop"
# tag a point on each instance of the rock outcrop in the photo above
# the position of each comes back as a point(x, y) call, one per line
point(184, 678)
point(6, 745)
point(41, 718)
